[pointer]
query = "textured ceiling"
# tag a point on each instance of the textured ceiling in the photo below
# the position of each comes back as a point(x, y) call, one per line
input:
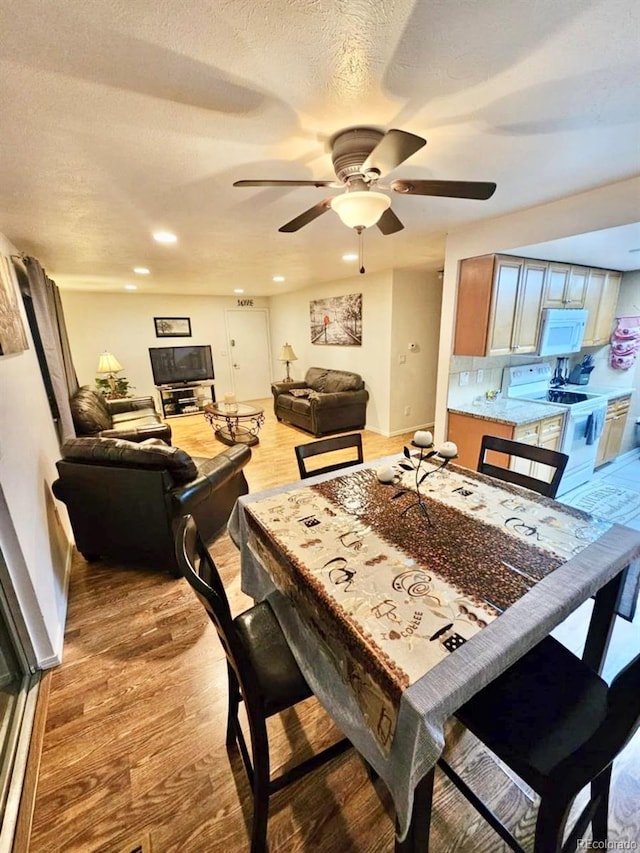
point(122, 118)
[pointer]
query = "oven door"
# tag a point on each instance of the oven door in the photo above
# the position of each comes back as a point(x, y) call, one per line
point(580, 443)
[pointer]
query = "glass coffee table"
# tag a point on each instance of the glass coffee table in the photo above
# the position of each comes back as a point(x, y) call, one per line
point(237, 423)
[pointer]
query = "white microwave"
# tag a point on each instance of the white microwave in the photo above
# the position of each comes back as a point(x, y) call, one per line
point(562, 330)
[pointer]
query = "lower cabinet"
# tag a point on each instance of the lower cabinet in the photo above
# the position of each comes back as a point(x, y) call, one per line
point(614, 424)
point(467, 431)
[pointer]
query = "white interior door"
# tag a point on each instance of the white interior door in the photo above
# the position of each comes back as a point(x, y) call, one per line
point(249, 353)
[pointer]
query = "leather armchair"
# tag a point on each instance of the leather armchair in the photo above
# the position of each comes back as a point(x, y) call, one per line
point(126, 499)
point(130, 418)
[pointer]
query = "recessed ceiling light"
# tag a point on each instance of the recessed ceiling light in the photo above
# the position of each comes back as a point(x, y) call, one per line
point(278, 278)
point(141, 271)
point(351, 256)
point(238, 290)
point(131, 287)
point(165, 237)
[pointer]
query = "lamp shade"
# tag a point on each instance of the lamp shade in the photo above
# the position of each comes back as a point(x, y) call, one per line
point(108, 363)
point(287, 353)
point(360, 209)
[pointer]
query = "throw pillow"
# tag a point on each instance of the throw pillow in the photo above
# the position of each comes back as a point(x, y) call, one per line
point(300, 392)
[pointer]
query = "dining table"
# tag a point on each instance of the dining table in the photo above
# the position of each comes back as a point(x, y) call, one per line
point(402, 599)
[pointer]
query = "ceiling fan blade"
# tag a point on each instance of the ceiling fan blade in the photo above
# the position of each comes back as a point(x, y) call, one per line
point(481, 190)
point(389, 222)
point(270, 183)
point(394, 148)
point(307, 217)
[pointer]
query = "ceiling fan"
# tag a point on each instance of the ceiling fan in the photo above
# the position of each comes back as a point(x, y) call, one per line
point(361, 156)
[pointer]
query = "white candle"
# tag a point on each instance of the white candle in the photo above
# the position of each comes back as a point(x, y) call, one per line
point(423, 438)
point(229, 398)
point(386, 474)
point(448, 450)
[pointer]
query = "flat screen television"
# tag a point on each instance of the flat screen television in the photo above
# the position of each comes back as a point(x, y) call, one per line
point(176, 365)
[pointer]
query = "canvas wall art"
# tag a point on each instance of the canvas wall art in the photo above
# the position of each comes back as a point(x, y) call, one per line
point(337, 320)
point(12, 334)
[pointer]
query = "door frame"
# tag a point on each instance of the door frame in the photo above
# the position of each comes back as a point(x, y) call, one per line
point(265, 312)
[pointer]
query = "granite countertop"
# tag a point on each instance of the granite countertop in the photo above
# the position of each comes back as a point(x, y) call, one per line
point(508, 411)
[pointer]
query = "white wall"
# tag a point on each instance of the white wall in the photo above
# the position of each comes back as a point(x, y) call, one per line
point(605, 207)
point(122, 323)
point(34, 529)
point(415, 318)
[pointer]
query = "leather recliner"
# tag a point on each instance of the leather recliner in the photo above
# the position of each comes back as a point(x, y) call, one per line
point(126, 499)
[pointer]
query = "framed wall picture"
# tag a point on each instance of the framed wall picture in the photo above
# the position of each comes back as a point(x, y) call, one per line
point(172, 327)
point(13, 338)
point(337, 320)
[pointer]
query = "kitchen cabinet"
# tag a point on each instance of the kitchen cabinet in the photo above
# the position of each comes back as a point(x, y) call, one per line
point(614, 424)
point(499, 306)
point(565, 286)
point(467, 432)
point(601, 297)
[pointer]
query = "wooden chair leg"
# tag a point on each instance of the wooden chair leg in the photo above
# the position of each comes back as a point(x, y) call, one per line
point(552, 817)
point(261, 786)
point(600, 788)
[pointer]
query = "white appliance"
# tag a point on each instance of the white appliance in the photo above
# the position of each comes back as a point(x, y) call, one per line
point(583, 423)
point(562, 330)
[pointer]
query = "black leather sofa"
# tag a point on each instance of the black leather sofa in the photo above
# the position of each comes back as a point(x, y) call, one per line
point(327, 401)
point(125, 499)
point(131, 418)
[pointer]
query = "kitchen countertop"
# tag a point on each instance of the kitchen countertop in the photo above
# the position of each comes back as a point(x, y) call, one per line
point(509, 411)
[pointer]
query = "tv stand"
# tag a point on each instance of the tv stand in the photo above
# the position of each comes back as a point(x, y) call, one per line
point(185, 398)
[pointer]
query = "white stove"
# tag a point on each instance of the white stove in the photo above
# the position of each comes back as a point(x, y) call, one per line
point(584, 419)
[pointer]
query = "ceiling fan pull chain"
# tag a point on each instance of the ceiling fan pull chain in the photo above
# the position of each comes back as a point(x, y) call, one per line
point(360, 231)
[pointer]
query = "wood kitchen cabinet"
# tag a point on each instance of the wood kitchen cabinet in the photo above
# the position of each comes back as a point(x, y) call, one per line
point(565, 286)
point(499, 305)
point(467, 432)
point(614, 424)
point(600, 300)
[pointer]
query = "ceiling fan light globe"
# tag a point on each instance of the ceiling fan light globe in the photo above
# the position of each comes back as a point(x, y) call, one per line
point(360, 209)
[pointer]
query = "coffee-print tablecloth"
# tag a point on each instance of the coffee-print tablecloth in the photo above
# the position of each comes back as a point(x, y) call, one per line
point(387, 606)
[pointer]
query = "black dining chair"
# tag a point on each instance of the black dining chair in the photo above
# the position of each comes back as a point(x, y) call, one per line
point(552, 458)
point(559, 727)
point(329, 445)
point(261, 672)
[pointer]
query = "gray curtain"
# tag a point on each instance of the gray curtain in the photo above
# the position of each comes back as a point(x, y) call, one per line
point(49, 317)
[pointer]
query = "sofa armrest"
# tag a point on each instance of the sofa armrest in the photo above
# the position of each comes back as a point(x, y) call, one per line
point(212, 474)
point(138, 434)
point(278, 388)
point(130, 404)
point(338, 398)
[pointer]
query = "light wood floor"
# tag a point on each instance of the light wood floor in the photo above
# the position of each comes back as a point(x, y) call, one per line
point(133, 751)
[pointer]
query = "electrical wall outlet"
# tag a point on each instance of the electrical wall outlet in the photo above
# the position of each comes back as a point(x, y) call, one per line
point(464, 377)
point(407, 410)
point(480, 376)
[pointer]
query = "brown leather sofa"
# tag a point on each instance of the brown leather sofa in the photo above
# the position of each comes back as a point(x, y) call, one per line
point(327, 401)
point(131, 418)
point(125, 499)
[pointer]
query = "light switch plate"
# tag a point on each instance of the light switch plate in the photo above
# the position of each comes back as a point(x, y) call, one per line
point(480, 376)
point(464, 377)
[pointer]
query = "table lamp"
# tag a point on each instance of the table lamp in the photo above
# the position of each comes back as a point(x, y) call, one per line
point(109, 365)
point(287, 355)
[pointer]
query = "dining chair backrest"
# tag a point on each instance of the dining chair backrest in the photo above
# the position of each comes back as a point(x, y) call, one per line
point(329, 445)
point(554, 459)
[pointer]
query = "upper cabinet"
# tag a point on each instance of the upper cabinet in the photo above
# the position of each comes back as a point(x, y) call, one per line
point(600, 300)
point(564, 286)
point(500, 302)
point(499, 305)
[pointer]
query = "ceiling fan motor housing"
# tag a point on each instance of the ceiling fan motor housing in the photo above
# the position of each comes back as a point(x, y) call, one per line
point(351, 148)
